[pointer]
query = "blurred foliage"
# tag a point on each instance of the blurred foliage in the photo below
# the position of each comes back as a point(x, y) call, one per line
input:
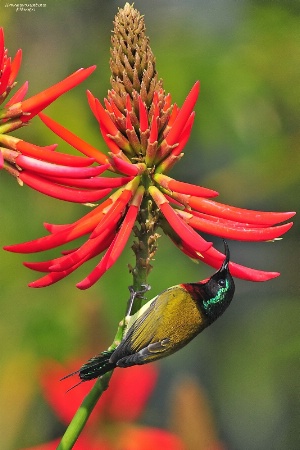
point(245, 143)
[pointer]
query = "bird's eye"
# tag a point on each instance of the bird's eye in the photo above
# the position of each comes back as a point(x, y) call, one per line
point(221, 282)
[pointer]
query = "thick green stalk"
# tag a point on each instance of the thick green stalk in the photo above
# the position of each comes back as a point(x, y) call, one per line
point(83, 413)
point(86, 408)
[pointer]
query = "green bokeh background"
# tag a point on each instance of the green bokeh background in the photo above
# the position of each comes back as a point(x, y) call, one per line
point(245, 144)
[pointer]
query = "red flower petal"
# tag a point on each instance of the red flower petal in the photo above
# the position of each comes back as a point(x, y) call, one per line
point(2, 48)
point(15, 66)
point(46, 168)
point(185, 232)
point(117, 245)
point(40, 101)
point(19, 95)
point(74, 140)
point(44, 154)
point(104, 119)
point(239, 233)
point(143, 116)
point(88, 250)
point(183, 188)
point(92, 183)
point(215, 258)
point(233, 213)
point(5, 77)
point(183, 115)
point(114, 213)
point(127, 168)
point(61, 192)
point(101, 244)
point(82, 226)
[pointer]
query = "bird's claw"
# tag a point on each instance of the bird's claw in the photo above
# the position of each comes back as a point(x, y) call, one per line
point(136, 294)
point(139, 294)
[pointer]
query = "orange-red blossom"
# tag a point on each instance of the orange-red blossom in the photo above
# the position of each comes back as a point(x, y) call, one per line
point(29, 163)
point(144, 143)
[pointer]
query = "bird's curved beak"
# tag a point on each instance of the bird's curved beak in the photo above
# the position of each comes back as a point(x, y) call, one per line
point(227, 257)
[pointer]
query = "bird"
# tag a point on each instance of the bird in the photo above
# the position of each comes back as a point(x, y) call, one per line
point(165, 323)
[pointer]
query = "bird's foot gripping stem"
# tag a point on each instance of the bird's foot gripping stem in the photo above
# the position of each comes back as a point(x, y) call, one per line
point(136, 294)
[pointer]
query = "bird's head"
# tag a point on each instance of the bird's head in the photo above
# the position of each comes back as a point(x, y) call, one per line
point(219, 289)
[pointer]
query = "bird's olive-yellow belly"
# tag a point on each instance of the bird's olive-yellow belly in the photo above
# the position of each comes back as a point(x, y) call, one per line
point(181, 320)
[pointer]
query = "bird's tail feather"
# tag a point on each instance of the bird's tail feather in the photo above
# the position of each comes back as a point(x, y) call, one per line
point(96, 366)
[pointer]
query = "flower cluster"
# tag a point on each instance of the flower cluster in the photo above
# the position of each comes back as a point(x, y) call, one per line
point(29, 163)
point(145, 134)
point(120, 407)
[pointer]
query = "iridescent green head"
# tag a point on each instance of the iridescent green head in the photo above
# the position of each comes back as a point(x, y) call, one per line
point(219, 290)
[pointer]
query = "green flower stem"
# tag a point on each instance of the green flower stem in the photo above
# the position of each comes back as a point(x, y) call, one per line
point(83, 413)
point(86, 408)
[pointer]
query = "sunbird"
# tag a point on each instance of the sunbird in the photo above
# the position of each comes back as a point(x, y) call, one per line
point(166, 323)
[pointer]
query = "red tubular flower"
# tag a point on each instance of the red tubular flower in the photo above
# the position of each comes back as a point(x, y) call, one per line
point(120, 405)
point(145, 134)
point(41, 168)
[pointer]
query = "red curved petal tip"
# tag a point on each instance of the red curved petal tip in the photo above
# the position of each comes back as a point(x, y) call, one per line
point(183, 115)
point(38, 102)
